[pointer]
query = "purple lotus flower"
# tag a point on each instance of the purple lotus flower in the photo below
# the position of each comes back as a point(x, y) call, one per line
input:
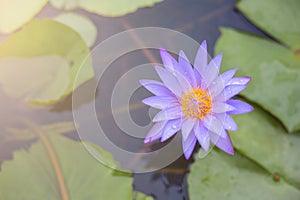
point(196, 100)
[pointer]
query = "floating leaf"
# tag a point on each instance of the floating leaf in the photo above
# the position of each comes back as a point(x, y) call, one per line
point(141, 196)
point(274, 69)
point(221, 176)
point(28, 134)
point(111, 8)
point(51, 83)
point(15, 13)
point(65, 170)
point(276, 17)
point(261, 138)
point(65, 4)
point(54, 47)
point(83, 25)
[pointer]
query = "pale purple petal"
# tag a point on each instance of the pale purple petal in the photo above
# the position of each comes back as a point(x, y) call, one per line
point(168, 61)
point(213, 124)
point(216, 62)
point(223, 143)
point(212, 70)
point(185, 68)
point(216, 87)
point(243, 80)
point(188, 145)
point(200, 62)
point(220, 107)
point(202, 135)
point(240, 107)
point(180, 77)
point(187, 127)
point(228, 122)
point(170, 129)
point(198, 78)
point(168, 114)
point(155, 132)
point(156, 87)
point(229, 92)
point(226, 76)
point(169, 80)
point(183, 82)
point(160, 102)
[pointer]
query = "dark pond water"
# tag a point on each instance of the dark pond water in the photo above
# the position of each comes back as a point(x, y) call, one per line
point(199, 19)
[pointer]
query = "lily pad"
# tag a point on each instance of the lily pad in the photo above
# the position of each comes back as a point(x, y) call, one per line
point(276, 17)
point(263, 139)
point(15, 13)
point(41, 61)
point(34, 174)
point(110, 8)
point(274, 69)
point(221, 176)
point(29, 134)
point(51, 83)
point(141, 196)
point(83, 25)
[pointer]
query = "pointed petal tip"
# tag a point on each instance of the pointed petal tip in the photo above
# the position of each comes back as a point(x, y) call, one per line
point(230, 152)
point(218, 57)
point(206, 149)
point(251, 108)
point(234, 69)
point(187, 155)
point(143, 82)
point(147, 140)
point(204, 44)
point(249, 78)
point(143, 101)
point(162, 51)
point(164, 54)
point(227, 149)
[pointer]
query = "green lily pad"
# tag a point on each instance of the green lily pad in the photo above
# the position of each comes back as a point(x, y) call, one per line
point(15, 13)
point(33, 174)
point(221, 176)
point(51, 83)
point(41, 61)
point(276, 17)
point(274, 70)
point(83, 25)
point(28, 134)
point(263, 139)
point(65, 4)
point(110, 8)
point(141, 196)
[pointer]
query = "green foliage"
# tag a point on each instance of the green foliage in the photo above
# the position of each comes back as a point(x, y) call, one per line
point(262, 138)
point(221, 176)
point(275, 86)
point(274, 70)
point(81, 24)
point(32, 174)
point(15, 13)
point(280, 19)
point(141, 196)
point(40, 62)
point(28, 134)
point(111, 8)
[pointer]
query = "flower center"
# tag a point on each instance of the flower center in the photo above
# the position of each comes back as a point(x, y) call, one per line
point(196, 103)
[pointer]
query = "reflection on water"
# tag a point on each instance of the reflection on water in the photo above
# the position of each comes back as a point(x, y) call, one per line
point(199, 19)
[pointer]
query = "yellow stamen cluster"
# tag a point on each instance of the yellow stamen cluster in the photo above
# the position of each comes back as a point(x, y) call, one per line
point(196, 103)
